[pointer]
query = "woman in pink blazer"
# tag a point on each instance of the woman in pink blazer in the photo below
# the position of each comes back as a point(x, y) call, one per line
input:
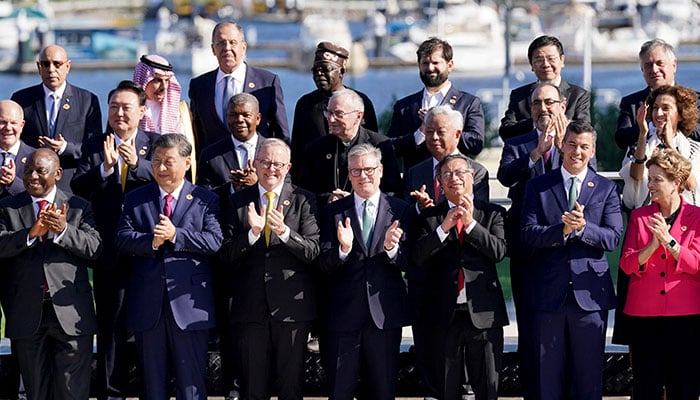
point(661, 253)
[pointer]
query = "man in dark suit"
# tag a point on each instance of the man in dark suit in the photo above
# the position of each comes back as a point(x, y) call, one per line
point(326, 162)
point(458, 243)
point(434, 64)
point(171, 229)
point(13, 151)
point(273, 289)
point(571, 217)
point(58, 115)
point(112, 165)
point(657, 60)
point(48, 239)
point(310, 123)
point(363, 251)
point(546, 57)
point(209, 93)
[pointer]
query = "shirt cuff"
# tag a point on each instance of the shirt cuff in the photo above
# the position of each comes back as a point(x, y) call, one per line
point(470, 227)
point(252, 238)
point(442, 235)
point(419, 137)
point(342, 255)
point(284, 237)
point(57, 238)
point(393, 252)
point(63, 147)
point(104, 174)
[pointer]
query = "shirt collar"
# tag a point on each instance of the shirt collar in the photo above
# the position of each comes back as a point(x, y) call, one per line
point(175, 193)
point(442, 92)
point(14, 149)
point(132, 138)
point(253, 141)
point(359, 201)
point(567, 176)
point(58, 92)
point(238, 74)
point(50, 196)
point(556, 82)
point(276, 190)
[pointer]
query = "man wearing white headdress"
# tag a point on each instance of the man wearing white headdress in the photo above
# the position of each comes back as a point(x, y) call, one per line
point(155, 74)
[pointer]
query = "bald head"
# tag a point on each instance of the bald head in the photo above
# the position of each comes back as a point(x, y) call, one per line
point(11, 123)
point(53, 66)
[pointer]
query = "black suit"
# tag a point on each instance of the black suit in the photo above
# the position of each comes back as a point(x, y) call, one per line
point(484, 311)
point(52, 338)
point(423, 173)
point(310, 123)
point(79, 117)
point(112, 278)
point(262, 84)
point(273, 290)
point(17, 186)
point(367, 301)
point(326, 166)
point(518, 120)
point(405, 121)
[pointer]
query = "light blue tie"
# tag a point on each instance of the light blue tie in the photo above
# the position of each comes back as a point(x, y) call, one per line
point(53, 113)
point(367, 223)
point(573, 193)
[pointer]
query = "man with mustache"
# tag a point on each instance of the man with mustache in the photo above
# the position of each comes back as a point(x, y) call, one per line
point(155, 75)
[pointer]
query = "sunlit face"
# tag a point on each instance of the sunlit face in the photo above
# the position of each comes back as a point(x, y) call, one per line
point(577, 150)
point(434, 69)
point(272, 165)
point(41, 172)
point(440, 138)
point(169, 168)
point(53, 66)
point(125, 112)
point(328, 77)
point(658, 69)
point(661, 187)
point(665, 111)
point(11, 124)
point(229, 47)
point(343, 120)
point(369, 175)
point(456, 180)
point(545, 104)
point(547, 63)
point(157, 88)
point(242, 120)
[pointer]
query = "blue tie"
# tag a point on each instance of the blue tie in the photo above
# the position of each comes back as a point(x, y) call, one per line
point(53, 113)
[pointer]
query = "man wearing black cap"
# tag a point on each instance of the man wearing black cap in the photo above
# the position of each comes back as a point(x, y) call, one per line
point(309, 123)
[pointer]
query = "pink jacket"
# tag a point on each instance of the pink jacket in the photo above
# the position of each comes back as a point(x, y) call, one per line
point(666, 287)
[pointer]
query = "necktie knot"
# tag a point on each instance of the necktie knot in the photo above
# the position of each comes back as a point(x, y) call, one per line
point(42, 205)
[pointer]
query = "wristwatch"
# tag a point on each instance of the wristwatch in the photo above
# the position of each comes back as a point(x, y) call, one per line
point(671, 244)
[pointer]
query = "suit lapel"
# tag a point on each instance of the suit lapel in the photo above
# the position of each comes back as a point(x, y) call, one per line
point(451, 98)
point(229, 156)
point(26, 213)
point(183, 203)
point(350, 212)
point(559, 192)
point(531, 145)
point(64, 108)
point(142, 144)
point(588, 187)
point(381, 225)
point(40, 110)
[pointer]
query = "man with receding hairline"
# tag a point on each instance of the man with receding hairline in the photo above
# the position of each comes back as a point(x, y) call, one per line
point(13, 151)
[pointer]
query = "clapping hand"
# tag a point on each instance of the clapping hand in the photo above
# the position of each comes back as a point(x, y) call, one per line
point(345, 236)
point(422, 198)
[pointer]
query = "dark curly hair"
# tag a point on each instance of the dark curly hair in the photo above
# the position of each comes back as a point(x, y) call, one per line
point(686, 102)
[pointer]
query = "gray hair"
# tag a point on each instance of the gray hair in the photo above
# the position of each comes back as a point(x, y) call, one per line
point(353, 98)
point(275, 142)
point(364, 149)
point(174, 140)
point(455, 117)
point(654, 43)
point(222, 24)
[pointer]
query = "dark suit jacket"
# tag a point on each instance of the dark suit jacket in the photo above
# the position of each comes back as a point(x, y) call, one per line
point(79, 117)
point(181, 269)
point(627, 130)
point(422, 174)
point(17, 186)
point(324, 170)
point(483, 247)
point(274, 281)
point(367, 284)
point(106, 194)
point(310, 123)
point(62, 265)
point(579, 260)
point(216, 161)
point(405, 121)
point(518, 119)
point(262, 84)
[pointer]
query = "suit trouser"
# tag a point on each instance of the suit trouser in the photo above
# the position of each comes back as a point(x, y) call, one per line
point(423, 342)
point(54, 365)
point(665, 353)
point(569, 345)
point(271, 345)
point(370, 348)
point(481, 350)
point(167, 346)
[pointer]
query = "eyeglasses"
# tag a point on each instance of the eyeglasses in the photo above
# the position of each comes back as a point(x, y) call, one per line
point(541, 60)
point(459, 173)
point(221, 44)
point(369, 171)
point(324, 69)
point(546, 102)
point(269, 164)
point(47, 63)
point(338, 114)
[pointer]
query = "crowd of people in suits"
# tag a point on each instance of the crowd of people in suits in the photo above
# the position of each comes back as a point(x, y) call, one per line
point(208, 221)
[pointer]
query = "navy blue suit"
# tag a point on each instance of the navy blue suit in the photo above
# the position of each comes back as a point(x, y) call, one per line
point(171, 304)
point(366, 304)
point(79, 117)
point(568, 283)
point(405, 121)
point(262, 84)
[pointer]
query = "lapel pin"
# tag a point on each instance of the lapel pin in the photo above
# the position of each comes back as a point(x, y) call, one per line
point(286, 203)
point(453, 100)
point(684, 228)
point(251, 85)
point(24, 160)
point(329, 156)
point(66, 106)
point(142, 152)
point(189, 196)
point(590, 184)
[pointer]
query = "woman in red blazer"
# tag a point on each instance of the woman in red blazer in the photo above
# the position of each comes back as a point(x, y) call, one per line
point(661, 253)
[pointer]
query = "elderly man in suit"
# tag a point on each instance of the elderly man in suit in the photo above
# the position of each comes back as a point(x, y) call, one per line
point(58, 115)
point(364, 251)
point(209, 93)
point(272, 236)
point(458, 243)
point(171, 229)
point(571, 218)
point(546, 57)
point(48, 239)
point(113, 164)
point(13, 150)
point(326, 162)
point(434, 64)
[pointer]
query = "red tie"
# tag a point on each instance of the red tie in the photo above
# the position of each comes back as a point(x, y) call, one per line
point(167, 208)
point(460, 235)
point(42, 205)
point(545, 159)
